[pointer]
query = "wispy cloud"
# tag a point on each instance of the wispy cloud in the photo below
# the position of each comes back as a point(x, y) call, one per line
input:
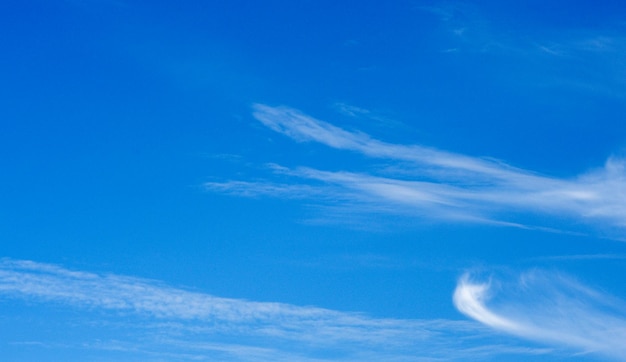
point(548, 308)
point(586, 59)
point(254, 189)
point(373, 118)
point(302, 127)
point(428, 182)
point(198, 325)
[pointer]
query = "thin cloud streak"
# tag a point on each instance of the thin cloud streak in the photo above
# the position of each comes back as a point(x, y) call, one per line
point(446, 185)
point(302, 127)
point(257, 189)
point(208, 320)
point(548, 308)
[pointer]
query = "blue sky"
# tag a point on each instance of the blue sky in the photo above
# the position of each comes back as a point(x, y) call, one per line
point(312, 181)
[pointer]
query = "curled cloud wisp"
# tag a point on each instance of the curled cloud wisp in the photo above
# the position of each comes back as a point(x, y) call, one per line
point(548, 308)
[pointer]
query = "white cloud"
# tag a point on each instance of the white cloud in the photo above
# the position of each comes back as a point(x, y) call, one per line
point(194, 324)
point(427, 182)
point(548, 308)
point(302, 127)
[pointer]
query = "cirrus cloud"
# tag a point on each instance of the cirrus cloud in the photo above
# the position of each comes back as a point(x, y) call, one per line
point(431, 183)
point(546, 307)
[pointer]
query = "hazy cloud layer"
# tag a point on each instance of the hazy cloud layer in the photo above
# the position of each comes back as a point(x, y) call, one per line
point(585, 59)
point(202, 326)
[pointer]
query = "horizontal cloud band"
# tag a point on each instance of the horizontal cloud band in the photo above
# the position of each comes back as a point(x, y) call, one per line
point(253, 325)
point(427, 182)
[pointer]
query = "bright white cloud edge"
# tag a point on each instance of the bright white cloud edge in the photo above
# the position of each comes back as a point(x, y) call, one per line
point(546, 307)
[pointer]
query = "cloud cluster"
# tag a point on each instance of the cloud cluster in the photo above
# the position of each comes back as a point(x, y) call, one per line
point(436, 183)
point(429, 183)
point(548, 308)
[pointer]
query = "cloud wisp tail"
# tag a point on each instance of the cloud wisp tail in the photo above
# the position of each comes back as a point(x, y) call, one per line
point(549, 308)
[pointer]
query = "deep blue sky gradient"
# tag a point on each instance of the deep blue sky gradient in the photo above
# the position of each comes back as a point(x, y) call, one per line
point(114, 115)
